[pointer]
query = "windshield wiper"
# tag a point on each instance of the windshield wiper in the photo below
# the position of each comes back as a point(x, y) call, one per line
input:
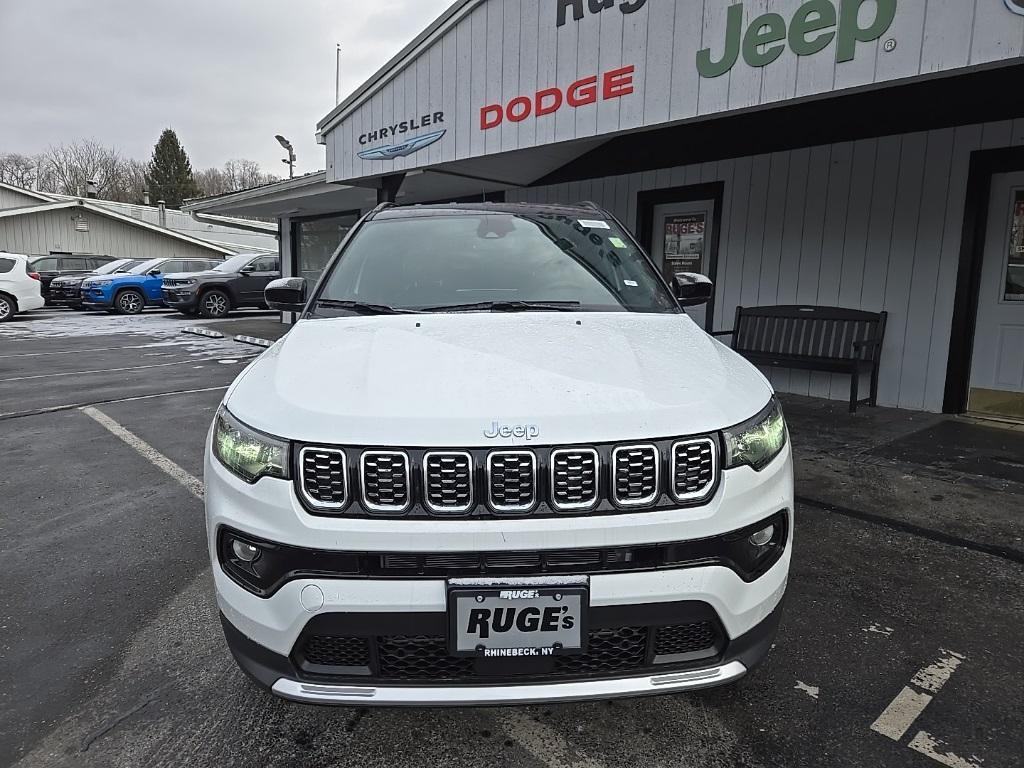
point(508, 306)
point(365, 308)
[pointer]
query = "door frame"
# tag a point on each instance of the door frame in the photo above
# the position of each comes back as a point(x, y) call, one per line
point(984, 165)
point(647, 201)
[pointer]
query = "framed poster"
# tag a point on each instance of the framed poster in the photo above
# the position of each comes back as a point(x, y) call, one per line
point(1014, 290)
point(684, 243)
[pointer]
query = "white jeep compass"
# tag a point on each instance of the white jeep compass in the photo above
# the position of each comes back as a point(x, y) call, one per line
point(495, 462)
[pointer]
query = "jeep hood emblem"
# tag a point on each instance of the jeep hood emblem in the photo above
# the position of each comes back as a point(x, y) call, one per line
point(528, 431)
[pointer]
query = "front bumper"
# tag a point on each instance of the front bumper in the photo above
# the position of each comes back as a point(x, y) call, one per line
point(179, 299)
point(276, 672)
point(267, 634)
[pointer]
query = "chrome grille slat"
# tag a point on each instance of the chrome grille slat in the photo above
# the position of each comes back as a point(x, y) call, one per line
point(324, 482)
point(448, 482)
point(694, 468)
point(512, 481)
point(635, 475)
point(385, 480)
point(575, 476)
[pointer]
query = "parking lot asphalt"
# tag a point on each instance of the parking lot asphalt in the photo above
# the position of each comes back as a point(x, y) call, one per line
point(111, 651)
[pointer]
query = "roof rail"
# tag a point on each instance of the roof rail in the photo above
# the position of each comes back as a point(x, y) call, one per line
point(381, 207)
point(590, 204)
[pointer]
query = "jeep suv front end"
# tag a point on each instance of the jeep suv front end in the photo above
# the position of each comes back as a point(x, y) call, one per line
point(494, 462)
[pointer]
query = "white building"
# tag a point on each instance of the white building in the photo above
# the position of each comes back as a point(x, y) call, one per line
point(37, 223)
point(857, 153)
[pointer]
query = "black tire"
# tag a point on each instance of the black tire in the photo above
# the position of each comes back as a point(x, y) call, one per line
point(8, 307)
point(129, 302)
point(214, 304)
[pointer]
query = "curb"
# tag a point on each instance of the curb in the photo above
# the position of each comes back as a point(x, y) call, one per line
point(196, 331)
point(254, 340)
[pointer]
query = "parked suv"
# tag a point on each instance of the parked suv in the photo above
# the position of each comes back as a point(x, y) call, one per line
point(19, 286)
point(130, 293)
point(67, 291)
point(51, 267)
point(238, 282)
point(495, 462)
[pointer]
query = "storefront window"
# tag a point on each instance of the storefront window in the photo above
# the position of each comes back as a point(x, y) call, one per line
point(1015, 263)
point(684, 243)
point(315, 241)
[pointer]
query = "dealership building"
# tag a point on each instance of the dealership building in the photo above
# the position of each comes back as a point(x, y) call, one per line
point(866, 154)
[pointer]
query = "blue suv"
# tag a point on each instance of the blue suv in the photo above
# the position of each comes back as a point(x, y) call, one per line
point(131, 292)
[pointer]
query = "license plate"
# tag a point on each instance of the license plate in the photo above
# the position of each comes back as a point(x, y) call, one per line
point(517, 619)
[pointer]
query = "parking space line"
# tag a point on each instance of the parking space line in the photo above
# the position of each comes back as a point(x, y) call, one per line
point(901, 713)
point(929, 746)
point(79, 406)
point(119, 370)
point(909, 703)
point(193, 484)
point(162, 344)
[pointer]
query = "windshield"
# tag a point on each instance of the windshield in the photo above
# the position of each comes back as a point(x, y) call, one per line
point(475, 261)
point(121, 265)
point(234, 264)
point(145, 266)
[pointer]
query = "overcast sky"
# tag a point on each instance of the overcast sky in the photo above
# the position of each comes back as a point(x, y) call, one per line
point(225, 74)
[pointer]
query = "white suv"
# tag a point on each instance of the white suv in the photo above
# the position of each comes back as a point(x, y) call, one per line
point(20, 289)
point(495, 462)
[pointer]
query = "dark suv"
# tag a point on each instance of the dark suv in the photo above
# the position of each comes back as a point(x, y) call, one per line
point(49, 267)
point(67, 291)
point(238, 282)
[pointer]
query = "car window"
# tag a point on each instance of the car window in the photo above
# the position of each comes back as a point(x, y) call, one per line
point(201, 266)
point(266, 264)
point(6, 265)
point(74, 263)
point(457, 260)
point(172, 266)
point(44, 265)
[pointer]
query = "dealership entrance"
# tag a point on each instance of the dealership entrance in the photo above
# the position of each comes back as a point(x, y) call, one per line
point(997, 367)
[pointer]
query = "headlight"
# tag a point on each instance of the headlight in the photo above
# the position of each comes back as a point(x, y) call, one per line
point(100, 283)
point(756, 442)
point(246, 452)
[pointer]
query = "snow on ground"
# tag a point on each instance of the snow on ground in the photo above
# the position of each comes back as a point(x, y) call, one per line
point(150, 329)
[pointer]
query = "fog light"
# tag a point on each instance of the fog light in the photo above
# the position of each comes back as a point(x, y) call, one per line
point(762, 537)
point(246, 552)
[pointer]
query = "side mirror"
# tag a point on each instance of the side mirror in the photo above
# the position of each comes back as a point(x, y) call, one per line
point(153, 272)
point(287, 294)
point(692, 289)
point(247, 270)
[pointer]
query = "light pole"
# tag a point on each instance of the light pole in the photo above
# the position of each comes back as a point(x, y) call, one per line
point(290, 162)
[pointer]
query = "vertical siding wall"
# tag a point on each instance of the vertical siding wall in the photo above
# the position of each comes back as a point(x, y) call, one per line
point(40, 233)
point(872, 224)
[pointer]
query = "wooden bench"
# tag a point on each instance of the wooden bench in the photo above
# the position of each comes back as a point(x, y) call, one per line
point(829, 339)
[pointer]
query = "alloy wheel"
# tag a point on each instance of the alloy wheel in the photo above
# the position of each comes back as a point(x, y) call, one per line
point(5, 308)
point(215, 305)
point(130, 303)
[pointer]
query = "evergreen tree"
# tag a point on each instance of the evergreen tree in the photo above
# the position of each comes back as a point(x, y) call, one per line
point(169, 174)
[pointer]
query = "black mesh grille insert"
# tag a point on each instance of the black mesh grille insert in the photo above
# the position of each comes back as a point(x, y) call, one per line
point(685, 638)
point(419, 658)
point(324, 478)
point(693, 468)
point(574, 475)
point(333, 651)
point(448, 481)
point(385, 478)
point(636, 474)
point(608, 650)
point(512, 484)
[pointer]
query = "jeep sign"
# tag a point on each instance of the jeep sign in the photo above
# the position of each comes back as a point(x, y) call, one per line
point(813, 27)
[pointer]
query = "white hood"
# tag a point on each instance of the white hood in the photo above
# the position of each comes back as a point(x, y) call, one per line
point(443, 380)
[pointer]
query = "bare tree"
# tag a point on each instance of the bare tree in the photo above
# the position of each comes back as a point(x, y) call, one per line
point(18, 170)
point(234, 176)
